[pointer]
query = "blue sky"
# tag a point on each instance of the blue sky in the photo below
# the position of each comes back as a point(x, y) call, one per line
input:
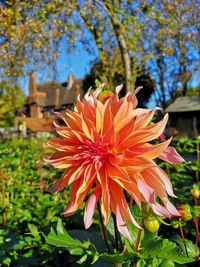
point(77, 63)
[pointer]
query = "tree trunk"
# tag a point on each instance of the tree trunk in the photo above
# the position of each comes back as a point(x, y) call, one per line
point(122, 45)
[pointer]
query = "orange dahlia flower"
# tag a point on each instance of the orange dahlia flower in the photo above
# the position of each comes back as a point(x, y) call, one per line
point(105, 150)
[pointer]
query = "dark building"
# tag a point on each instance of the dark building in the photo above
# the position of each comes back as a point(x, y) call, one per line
point(184, 116)
point(46, 98)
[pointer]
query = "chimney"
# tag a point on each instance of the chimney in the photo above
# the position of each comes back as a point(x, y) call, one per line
point(32, 87)
point(77, 90)
point(70, 81)
point(57, 97)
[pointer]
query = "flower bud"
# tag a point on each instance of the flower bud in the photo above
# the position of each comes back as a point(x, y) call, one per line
point(195, 192)
point(103, 96)
point(175, 224)
point(151, 224)
point(185, 212)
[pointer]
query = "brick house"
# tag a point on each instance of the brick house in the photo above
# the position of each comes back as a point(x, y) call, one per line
point(46, 98)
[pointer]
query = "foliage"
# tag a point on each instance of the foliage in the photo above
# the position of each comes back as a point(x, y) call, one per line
point(26, 177)
point(116, 77)
point(175, 47)
point(159, 36)
point(154, 250)
point(11, 98)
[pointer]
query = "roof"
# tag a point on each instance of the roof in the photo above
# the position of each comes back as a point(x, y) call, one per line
point(39, 125)
point(66, 95)
point(185, 104)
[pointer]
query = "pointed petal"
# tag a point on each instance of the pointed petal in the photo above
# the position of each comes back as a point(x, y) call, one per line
point(170, 155)
point(90, 206)
point(146, 190)
point(121, 225)
point(155, 150)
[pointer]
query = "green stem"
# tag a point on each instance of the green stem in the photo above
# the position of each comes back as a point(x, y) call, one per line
point(117, 235)
point(183, 238)
point(137, 244)
point(103, 229)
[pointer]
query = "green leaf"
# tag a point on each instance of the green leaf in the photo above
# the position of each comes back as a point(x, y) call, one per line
point(76, 251)
point(114, 258)
point(97, 83)
point(7, 261)
point(192, 249)
point(82, 260)
point(95, 258)
point(91, 237)
point(33, 229)
point(62, 238)
point(163, 249)
point(141, 263)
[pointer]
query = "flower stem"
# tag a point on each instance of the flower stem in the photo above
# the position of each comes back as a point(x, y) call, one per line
point(118, 242)
point(137, 244)
point(103, 229)
point(3, 177)
point(183, 238)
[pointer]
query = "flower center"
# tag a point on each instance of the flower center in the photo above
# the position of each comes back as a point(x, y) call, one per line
point(95, 150)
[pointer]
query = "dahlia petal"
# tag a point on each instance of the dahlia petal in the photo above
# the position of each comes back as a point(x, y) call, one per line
point(90, 207)
point(107, 120)
point(60, 159)
point(137, 164)
point(76, 199)
point(143, 117)
point(105, 198)
point(155, 150)
point(154, 182)
point(88, 177)
point(164, 178)
point(98, 120)
point(73, 121)
point(147, 191)
point(85, 127)
point(123, 111)
point(77, 173)
point(131, 188)
point(138, 89)
point(171, 208)
point(115, 171)
point(125, 126)
point(170, 155)
point(132, 100)
point(120, 199)
point(142, 136)
point(68, 177)
point(160, 210)
point(118, 88)
point(121, 225)
point(116, 159)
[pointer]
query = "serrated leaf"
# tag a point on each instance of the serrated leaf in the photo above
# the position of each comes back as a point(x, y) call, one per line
point(62, 238)
point(164, 249)
point(114, 258)
point(192, 249)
